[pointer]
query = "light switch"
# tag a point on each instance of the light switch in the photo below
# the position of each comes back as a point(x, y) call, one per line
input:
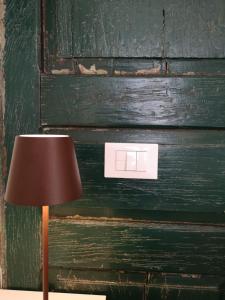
point(130, 160)
point(131, 163)
point(142, 161)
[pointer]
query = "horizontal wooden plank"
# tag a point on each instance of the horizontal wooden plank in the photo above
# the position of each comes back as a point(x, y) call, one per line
point(190, 179)
point(181, 293)
point(129, 102)
point(136, 247)
point(191, 67)
point(115, 285)
point(171, 136)
point(194, 28)
point(137, 67)
point(120, 285)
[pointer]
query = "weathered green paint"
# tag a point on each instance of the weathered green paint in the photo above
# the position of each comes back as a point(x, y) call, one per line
point(194, 28)
point(182, 293)
point(105, 29)
point(129, 102)
point(120, 285)
point(197, 180)
point(115, 285)
point(144, 28)
point(2, 150)
point(22, 116)
point(136, 246)
point(192, 67)
point(108, 243)
point(192, 190)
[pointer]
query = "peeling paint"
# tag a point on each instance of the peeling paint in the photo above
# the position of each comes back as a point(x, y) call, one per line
point(189, 73)
point(62, 72)
point(92, 70)
point(141, 72)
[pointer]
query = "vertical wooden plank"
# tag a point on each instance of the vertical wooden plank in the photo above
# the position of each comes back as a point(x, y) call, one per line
point(2, 152)
point(194, 28)
point(22, 116)
point(64, 10)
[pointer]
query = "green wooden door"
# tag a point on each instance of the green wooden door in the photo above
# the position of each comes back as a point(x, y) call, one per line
point(142, 71)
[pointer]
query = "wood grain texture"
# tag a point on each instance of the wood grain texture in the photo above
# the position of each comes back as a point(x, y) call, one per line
point(21, 116)
point(120, 285)
point(64, 17)
point(150, 200)
point(192, 67)
point(109, 29)
point(194, 28)
point(190, 180)
point(136, 247)
point(130, 102)
point(2, 150)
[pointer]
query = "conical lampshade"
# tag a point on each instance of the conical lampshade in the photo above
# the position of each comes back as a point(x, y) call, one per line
point(43, 171)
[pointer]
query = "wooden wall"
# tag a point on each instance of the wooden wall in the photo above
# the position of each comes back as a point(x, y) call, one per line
point(141, 71)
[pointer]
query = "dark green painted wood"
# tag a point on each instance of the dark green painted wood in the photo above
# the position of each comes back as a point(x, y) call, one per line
point(136, 246)
point(192, 67)
point(165, 136)
point(109, 29)
point(21, 116)
point(123, 285)
point(194, 28)
point(64, 18)
point(190, 179)
point(115, 285)
point(181, 293)
point(129, 102)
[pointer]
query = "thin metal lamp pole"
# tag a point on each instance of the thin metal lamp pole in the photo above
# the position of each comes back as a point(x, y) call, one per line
point(45, 216)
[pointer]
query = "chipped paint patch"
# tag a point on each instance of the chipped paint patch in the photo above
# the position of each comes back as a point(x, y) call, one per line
point(92, 70)
point(62, 72)
point(142, 72)
point(189, 73)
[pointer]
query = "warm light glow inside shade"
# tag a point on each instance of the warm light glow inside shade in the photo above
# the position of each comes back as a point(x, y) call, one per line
point(43, 135)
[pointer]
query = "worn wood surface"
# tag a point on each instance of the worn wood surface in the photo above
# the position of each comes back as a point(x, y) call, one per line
point(194, 28)
point(196, 67)
point(126, 239)
point(136, 28)
point(116, 102)
point(2, 150)
point(21, 116)
point(136, 246)
point(120, 285)
point(191, 168)
point(194, 176)
point(105, 29)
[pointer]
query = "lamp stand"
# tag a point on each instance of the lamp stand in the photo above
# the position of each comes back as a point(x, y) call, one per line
point(45, 216)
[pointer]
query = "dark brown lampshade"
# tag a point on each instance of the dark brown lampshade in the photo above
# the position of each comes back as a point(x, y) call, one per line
point(43, 171)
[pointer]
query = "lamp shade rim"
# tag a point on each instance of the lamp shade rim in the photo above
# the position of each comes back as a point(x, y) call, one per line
point(44, 135)
point(42, 202)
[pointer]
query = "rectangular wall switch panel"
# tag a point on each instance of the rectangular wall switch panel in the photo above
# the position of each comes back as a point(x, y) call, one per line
point(130, 160)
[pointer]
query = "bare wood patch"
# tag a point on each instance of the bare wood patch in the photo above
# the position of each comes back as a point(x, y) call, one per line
point(142, 72)
point(92, 70)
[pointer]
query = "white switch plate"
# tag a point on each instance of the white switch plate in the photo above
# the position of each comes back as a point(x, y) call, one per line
point(27, 295)
point(130, 160)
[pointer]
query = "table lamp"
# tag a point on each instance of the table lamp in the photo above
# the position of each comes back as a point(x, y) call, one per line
point(43, 172)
